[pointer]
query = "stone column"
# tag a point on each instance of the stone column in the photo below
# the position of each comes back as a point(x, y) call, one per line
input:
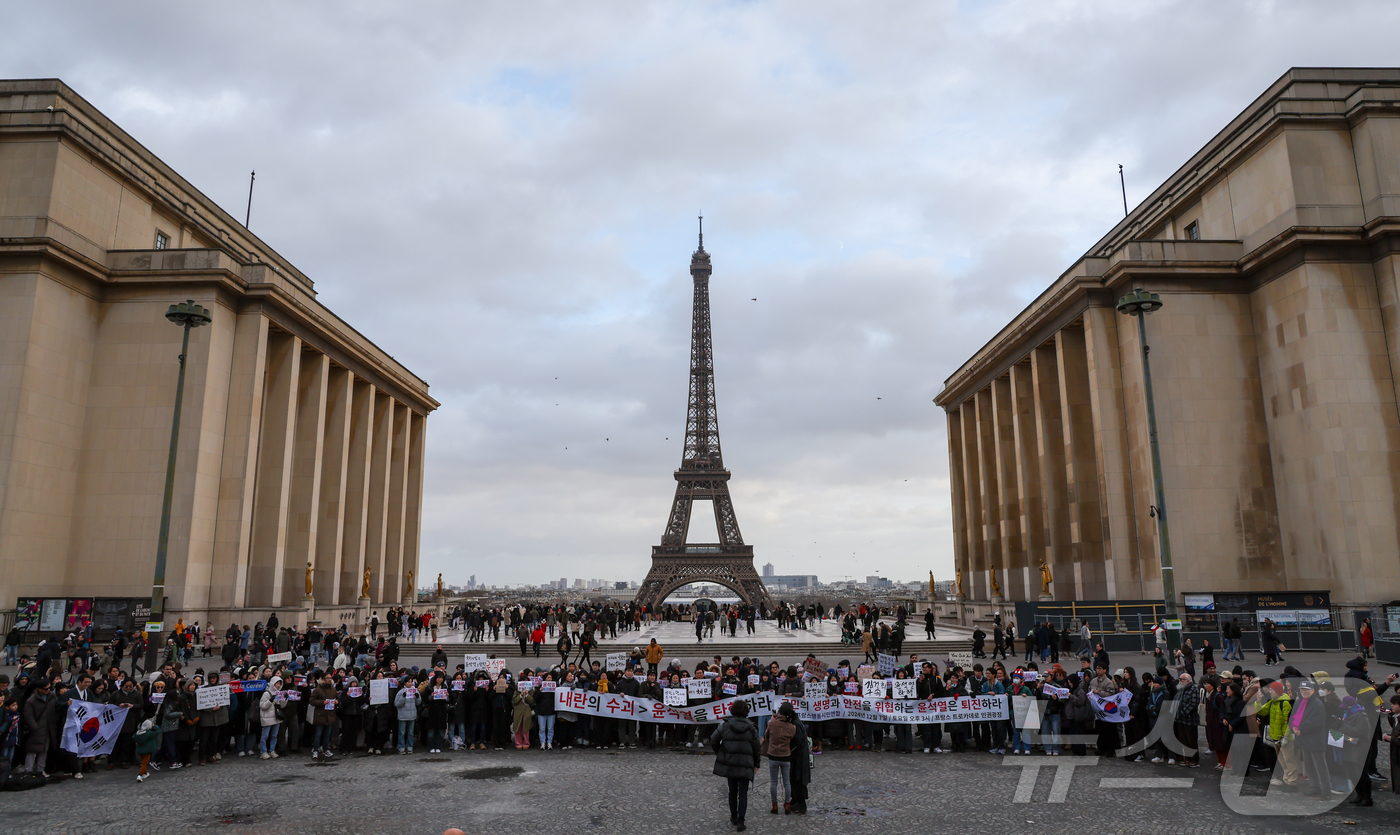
point(334, 474)
point(267, 554)
point(376, 522)
point(234, 527)
point(1013, 551)
point(1033, 532)
point(1049, 421)
point(357, 478)
point(1122, 561)
point(413, 506)
point(1086, 523)
point(972, 478)
point(303, 520)
point(956, 467)
point(394, 568)
point(991, 509)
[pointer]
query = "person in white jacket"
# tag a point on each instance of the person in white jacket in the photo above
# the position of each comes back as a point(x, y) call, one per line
point(271, 722)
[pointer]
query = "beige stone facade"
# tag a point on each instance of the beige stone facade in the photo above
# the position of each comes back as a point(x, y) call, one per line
point(1274, 359)
point(301, 441)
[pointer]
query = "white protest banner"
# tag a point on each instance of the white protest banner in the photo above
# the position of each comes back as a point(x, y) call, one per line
point(874, 688)
point(524, 685)
point(813, 666)
point(843, 671)
point(698, 688)
point(91, 729)
point(279, 657)
point(292, 695)
point(731, 689)
point(482, 684)
point(1029, 675)
point(956, 709)
point(440, 694)
point(1058, 692)
point(864, 671)
point(379, 691)
point(852, 688)
point(905, 688)
point(494, 667)
point(354, 692)
point(753, 679)
point(157, 698)
point(548, 686)
point(329, 705)
point(208, 698)
point(674, 697)
point(617, 662)
point(459, 684)
point(1112, 709)
point(474, 661)
point(814, 689)
point(887, 664)
point(961, 659)
point(1026, 709)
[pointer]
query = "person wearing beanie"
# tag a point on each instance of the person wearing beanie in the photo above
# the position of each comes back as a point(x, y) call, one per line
point(737, 759)
point(148, 739)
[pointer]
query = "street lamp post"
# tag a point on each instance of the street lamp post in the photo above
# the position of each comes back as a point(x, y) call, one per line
point(187, 315)
point(1139, 303)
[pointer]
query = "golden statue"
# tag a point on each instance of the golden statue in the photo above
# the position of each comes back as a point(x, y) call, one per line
point(308, 579)
point(957, 588)
point(996, 587)
point(930, 586)
point(408, 587)
point(1045, 578)
point(439, 584)
point(364, 589)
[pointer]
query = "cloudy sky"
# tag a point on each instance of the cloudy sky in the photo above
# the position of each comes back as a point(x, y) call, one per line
point(503, 196)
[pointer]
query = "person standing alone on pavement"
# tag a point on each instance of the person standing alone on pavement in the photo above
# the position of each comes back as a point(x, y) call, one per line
point(737, 759)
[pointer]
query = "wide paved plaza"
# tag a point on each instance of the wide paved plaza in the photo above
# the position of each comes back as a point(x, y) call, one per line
point(659, 792)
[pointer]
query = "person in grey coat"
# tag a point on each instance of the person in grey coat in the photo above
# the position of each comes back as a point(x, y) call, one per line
point(737, 759)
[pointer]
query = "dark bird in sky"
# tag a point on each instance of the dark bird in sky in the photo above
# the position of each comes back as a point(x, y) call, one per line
point(879, 398)
point(753, 300)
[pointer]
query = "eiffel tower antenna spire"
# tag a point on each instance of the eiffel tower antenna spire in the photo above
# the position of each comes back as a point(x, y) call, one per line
point(702, 477)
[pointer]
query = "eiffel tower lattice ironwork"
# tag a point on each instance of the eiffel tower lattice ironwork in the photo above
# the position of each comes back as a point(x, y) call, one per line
point(702, 475)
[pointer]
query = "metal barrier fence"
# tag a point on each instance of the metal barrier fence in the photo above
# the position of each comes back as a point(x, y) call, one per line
point(1132, 632)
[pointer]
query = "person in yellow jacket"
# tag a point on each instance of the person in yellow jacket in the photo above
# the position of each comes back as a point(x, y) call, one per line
point(1273, 707)
point(654, 655)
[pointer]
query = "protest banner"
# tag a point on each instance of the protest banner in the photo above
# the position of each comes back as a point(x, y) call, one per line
point(157, 698)
point(459, 684)
point(279, 657)
point(730, 688)
point(904, 688)
point(852, 688)
point(354, 692)
point(379, 691)
point(91, 729)
point(440, 694)
point(813, 666)
point(474, 661)
point(548, 686)
point(212, 696)
point(524, 685)
point(674, 697)
point(843, 672)
point(256, 685)
point(889, 711)
point(1058, 692)
point(865, 671)
point(698, 688)
point(814, 689)
point(1113, 708)
point(874, 688)
point(887, 664)
point(1029, 675)
point(753, 679)
point(328, 706)
point(225, 677)
point(617, 662)
point(482, 684)
point(961, 659)
point(292, 695)
point(494, 667)
point(1026, 710)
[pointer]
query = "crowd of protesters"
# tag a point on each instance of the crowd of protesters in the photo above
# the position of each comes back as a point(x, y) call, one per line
point(317, 703)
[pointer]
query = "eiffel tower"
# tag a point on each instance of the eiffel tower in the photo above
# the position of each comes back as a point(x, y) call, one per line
point(702, 475)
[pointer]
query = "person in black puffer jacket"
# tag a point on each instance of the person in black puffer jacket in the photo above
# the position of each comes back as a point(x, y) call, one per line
point(737, 759)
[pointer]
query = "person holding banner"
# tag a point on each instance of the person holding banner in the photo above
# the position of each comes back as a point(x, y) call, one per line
point(323, 699)
point(522, 717)
point(269, 710)
point(545, 713)
point(406, 707)
point(737, 759)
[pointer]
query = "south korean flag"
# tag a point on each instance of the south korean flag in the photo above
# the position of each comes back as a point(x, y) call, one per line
point(91, 729)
